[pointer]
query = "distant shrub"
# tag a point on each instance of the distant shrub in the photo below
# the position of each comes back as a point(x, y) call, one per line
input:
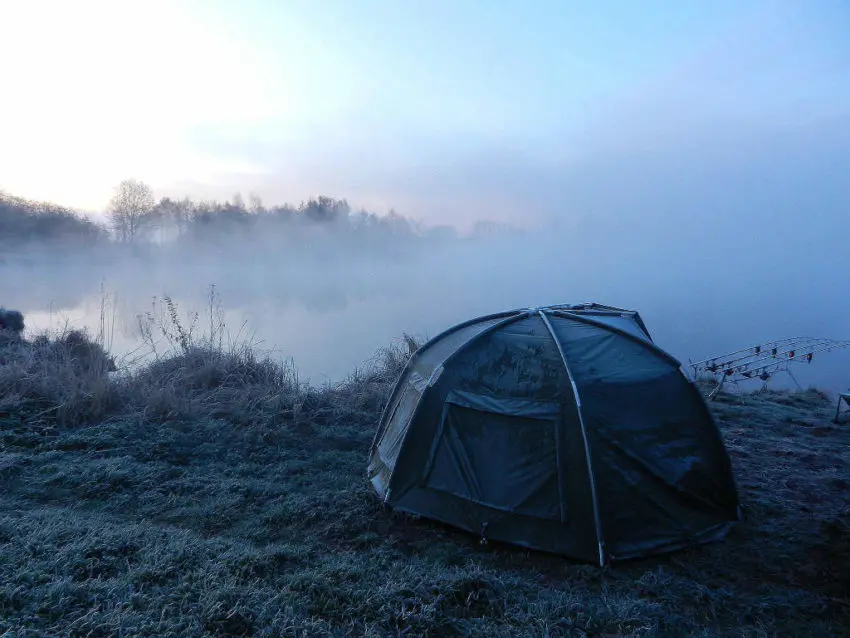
point(11, 324)
point(23, 220)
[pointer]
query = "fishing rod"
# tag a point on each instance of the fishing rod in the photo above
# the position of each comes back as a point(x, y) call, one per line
point(764, 360)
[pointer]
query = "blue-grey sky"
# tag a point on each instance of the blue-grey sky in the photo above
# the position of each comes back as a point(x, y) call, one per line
point(446, 110)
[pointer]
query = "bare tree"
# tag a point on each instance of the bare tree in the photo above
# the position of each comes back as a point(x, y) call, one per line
point(256, 203)
point(131, 208)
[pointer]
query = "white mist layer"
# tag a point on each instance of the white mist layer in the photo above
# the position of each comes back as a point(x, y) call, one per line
point(329, 301)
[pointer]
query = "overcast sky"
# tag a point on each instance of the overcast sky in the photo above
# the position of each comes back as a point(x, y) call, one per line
point(446, 110)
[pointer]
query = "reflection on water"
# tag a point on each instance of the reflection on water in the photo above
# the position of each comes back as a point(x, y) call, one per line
point(331, 304)
point(327, 343)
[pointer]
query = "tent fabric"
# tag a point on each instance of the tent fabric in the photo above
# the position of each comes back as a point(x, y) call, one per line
point(564, 429)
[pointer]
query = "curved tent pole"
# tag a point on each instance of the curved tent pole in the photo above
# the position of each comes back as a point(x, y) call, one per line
point(596, 517)
point(598, 324)
point(511, 318)
point(379, 431)
point(560, 310)
point(464, 324)
point(592, 308)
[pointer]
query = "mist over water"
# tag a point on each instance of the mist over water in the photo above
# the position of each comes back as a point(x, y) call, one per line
point(690, 165)
point(329, 298)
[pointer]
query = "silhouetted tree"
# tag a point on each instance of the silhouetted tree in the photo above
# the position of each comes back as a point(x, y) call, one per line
point(172, 217)
point(22, 220)
point(256, 203)
point(131, 209)
point(325, 209)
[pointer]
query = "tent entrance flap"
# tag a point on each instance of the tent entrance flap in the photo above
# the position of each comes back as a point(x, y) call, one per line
point(498, 452)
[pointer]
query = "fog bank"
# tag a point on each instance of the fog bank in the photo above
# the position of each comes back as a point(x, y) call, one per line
point(329, 298)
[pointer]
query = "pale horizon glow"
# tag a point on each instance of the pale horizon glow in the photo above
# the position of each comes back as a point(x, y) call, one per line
point(445, 112)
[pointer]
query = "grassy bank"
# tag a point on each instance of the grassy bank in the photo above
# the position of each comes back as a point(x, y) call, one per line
point(211, 493)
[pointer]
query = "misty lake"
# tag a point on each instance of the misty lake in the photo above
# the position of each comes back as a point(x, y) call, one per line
point(330, 309)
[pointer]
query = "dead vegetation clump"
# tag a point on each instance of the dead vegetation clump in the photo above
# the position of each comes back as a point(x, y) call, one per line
point(61, 379)
point(11, 324)
point(212, 374)
point(238, 386)
point(183, 374)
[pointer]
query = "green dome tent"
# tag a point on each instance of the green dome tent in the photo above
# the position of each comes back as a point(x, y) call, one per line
point(563, 429)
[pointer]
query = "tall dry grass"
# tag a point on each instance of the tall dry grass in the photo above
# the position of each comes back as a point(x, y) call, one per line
point(63, 378)
point(185, 368)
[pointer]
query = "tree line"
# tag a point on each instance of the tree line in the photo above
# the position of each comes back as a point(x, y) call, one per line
point(135, 216)
point(22, 221)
